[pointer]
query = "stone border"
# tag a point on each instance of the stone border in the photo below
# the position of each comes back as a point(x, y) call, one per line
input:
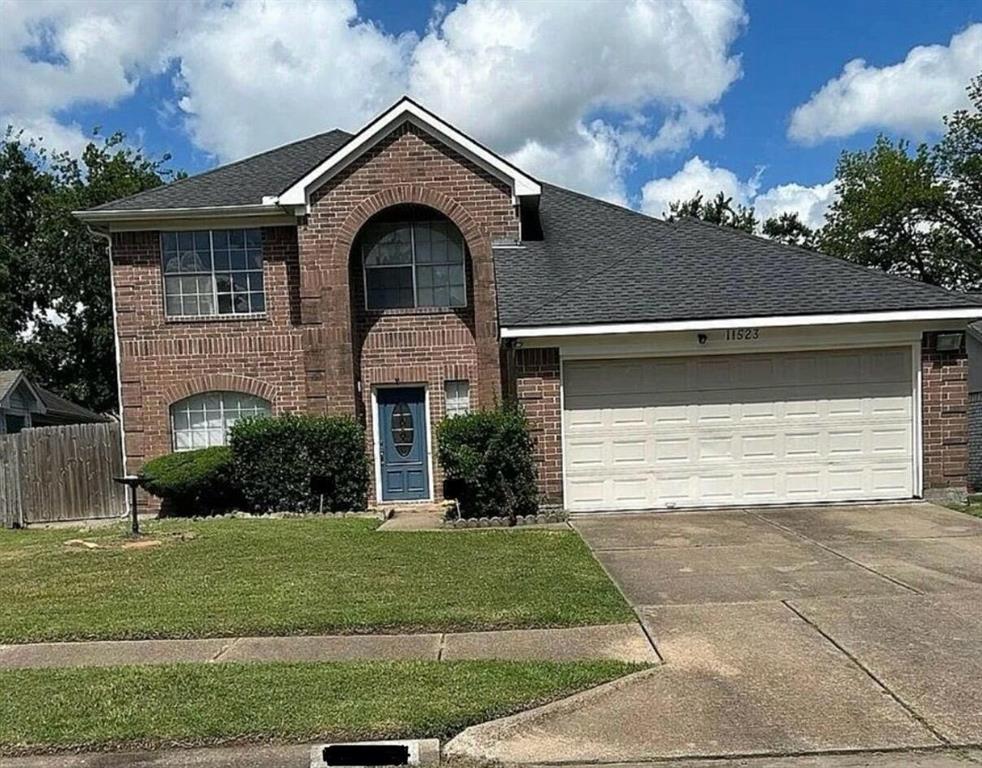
point(239, 515)
point(543, 518)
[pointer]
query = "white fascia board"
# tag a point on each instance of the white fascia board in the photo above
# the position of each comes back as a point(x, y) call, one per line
point(769, 321)
point(407, 110)
point(162, 214)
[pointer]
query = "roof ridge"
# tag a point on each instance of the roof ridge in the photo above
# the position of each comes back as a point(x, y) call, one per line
point(608, 204)
point(908, 281)
point(233, 164)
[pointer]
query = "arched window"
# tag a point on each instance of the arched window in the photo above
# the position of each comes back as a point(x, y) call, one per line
point(201, 421)
point(413, 257)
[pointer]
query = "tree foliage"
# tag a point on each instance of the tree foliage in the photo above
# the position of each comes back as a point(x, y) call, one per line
point(55, 295)
point(720, 211)
point(788, 228)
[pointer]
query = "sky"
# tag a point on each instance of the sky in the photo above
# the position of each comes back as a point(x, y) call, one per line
point(640, 102)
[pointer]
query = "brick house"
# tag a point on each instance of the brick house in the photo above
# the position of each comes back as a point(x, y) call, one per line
point(406, 273)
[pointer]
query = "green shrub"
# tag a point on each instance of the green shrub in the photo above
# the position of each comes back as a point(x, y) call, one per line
point(292, 463)
point(192, 482)
point(487, 460)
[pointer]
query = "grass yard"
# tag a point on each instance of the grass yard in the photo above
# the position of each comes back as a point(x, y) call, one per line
point(204, 704)
point(228, 577)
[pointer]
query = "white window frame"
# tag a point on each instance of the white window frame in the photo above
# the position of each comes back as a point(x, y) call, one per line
point(173, 410)
point(214, 282)
point(412, 265)
point(454, 391)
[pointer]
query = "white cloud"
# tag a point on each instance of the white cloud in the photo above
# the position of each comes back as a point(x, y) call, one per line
point(910, 97)
point(59, 53)
point(698, 176)
point(575, 90)
point(258, 74)
point(810, 203)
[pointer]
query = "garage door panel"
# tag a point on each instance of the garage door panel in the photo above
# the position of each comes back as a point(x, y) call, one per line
point(770, 437)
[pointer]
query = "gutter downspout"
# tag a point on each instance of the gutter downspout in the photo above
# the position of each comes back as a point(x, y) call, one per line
point(119, 359)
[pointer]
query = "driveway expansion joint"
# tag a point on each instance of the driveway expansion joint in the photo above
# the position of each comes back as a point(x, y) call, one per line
point(872, 676)
point(828, 548)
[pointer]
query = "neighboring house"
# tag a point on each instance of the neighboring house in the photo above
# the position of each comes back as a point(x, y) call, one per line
point(24, 404)
point(406, 272)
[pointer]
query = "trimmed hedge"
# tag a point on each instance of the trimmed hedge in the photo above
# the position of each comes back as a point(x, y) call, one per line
point(487, 461)
point(291, 463)
point(192, 482)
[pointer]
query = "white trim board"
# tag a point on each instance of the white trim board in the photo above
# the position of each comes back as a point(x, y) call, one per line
point(405, 110)
point(764, 321)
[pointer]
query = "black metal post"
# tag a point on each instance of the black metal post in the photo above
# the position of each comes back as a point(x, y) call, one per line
point(135, 519)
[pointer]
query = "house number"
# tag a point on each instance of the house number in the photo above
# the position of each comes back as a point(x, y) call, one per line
point(742, 334)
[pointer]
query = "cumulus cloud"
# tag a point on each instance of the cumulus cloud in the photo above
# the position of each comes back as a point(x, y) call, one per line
point(573, 90)
point(910, 97)
point(699, 176)
point(60, 53)
point(696, 176)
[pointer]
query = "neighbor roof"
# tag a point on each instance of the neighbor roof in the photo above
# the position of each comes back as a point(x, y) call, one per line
point(602, 264)
point(245, 182)
point(53, 405)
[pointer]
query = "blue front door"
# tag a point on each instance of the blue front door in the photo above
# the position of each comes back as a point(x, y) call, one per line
point(402, 443)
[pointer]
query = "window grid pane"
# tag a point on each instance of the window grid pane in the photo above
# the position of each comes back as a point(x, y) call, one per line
point(458, 397)
point(215, 272)
point(203, 421)
point(431, 274)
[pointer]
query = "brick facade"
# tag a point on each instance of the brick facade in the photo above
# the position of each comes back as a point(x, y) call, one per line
point(163, 361)
point(944, 419)
point(534, 383)
point(318, 349)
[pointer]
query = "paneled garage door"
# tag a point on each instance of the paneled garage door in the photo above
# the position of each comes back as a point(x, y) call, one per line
point(738, 429)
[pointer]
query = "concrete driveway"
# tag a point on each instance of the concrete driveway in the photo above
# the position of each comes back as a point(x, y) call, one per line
point(791, 631)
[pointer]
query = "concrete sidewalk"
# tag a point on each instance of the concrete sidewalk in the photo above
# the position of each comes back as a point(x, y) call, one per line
point(620, 642)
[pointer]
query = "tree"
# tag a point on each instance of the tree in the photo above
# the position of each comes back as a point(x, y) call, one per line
point(914, 212)
point(719, 211)
point(55, 294)
point(789, 229)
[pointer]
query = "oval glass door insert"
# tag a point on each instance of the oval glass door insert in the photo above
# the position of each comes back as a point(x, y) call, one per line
point(403, 430)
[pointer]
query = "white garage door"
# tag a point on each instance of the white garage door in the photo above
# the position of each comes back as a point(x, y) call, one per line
point(738, 429)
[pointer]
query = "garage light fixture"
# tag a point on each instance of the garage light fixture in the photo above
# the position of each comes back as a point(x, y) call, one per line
point(949, 342)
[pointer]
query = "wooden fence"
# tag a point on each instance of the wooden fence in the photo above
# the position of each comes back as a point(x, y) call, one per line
point(61, 473)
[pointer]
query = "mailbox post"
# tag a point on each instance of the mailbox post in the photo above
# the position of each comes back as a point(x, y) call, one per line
point(132, 482)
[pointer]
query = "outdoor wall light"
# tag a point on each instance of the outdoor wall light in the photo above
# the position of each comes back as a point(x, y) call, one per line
point(949, 342)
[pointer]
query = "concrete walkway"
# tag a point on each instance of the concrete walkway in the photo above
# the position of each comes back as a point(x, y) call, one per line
point(791, 631)
point(620, 642)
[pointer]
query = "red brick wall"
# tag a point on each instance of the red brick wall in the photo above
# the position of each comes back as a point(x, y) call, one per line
point(164, 361)
point(535, 385)
point(944, 407)
point(317, 349)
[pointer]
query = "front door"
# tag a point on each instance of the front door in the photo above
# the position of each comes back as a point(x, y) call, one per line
point(403, 462)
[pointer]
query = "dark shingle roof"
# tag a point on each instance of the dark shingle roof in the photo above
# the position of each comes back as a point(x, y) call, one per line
point(59, 407)
point(244, 182)
point(599, 263)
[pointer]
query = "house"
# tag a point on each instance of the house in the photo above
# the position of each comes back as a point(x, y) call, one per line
point(406, 272)
point(24, 404)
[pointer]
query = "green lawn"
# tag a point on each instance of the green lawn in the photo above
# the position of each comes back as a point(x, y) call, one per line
point(295, 576)
point(202, 703)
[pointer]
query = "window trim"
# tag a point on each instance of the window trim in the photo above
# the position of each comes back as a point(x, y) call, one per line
point(215, 315)
point(172, 412)
point(412, 265)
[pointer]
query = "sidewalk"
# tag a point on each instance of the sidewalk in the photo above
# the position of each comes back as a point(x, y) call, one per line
point(620, 642)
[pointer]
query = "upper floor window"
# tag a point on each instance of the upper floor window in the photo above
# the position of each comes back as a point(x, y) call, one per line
point(204, 420)
point(413, 264)
point(213, 272)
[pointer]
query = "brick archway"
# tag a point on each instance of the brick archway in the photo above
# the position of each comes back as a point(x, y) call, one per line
point(220, 382)
point(482, 268)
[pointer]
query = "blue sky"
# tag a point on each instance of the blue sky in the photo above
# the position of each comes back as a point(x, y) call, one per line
point(639, 101)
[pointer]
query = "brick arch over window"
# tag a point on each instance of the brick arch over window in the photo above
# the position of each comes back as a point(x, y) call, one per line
point(479, 247)
point(220, 382)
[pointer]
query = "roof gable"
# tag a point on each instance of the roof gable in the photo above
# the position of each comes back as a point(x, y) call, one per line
point(13, 381)
point(297, 195)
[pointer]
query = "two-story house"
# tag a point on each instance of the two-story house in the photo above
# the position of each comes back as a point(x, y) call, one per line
point(407, 272)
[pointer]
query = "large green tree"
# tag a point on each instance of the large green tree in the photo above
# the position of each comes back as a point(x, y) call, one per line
point(914, 211)
point(55, 295)
point(720, 210)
